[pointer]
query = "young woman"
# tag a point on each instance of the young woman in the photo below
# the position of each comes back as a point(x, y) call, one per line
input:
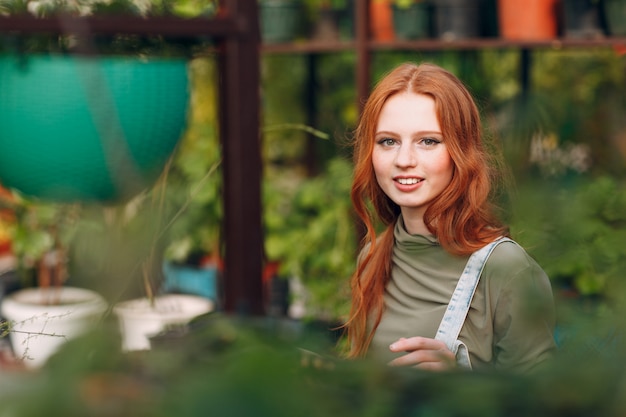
point(422, 170)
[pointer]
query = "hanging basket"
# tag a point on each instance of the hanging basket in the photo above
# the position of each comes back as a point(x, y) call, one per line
point(88, 129)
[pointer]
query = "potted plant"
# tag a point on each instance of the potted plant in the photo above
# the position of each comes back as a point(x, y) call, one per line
point(42, 315)
point(582, 18)
point(185, 230)
point(457, 19)
point(615, 16)
point(332, 20)
point(280, 20)
point(172, 294)
point(411, 18)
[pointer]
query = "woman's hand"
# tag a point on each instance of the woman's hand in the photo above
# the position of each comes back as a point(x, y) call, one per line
point(423, 353)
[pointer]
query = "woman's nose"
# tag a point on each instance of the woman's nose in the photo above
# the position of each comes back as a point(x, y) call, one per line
point(406, 156)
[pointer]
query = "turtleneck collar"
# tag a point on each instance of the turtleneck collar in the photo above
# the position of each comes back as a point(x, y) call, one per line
point(409, 242)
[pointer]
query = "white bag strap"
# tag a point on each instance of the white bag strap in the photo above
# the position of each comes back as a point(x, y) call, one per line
point(457, 310)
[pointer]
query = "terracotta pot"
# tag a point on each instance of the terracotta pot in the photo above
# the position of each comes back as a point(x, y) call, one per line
point(528, 20)
point(381, 20)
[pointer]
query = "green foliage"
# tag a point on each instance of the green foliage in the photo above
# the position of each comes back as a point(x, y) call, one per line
point(575, 231)
point(307, 214)
point(234, 366)
point(315, 5)
point(310, 229)
point(194, 186)
point(36, 228)
point(404, 4)
point(117, 44)
point(47, 8)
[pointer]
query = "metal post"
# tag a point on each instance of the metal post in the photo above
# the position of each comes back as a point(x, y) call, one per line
point(241, 147)
point(363, 51)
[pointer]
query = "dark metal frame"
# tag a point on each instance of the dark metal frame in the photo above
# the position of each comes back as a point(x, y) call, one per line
point(236, 33)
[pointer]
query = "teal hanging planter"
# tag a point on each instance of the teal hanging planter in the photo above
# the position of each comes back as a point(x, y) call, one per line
point(88, 129)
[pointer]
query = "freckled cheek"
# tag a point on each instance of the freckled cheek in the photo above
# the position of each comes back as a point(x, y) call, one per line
point(443, 167)
point(381, 169)
point(447, 170)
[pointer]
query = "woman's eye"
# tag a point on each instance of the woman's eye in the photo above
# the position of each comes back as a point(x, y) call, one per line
point(386, 142)
point(430, 141)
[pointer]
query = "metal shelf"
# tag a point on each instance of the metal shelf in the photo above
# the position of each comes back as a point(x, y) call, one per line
point(218, 27)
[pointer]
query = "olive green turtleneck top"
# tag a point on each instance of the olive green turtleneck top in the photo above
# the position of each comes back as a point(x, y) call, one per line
point(511, 319)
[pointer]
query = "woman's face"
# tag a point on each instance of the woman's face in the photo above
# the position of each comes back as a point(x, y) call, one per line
point(410, 158)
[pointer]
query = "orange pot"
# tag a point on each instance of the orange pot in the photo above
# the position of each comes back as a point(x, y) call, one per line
point(528, 19)
point(381, 20)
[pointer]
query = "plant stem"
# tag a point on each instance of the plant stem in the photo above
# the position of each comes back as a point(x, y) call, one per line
point(298, 126)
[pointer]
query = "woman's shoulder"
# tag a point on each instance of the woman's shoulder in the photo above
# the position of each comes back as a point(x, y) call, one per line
point(509, 261)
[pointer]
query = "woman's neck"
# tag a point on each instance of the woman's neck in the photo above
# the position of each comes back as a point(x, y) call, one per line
point(414, 223)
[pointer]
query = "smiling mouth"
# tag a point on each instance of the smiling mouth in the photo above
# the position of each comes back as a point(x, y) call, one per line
point(408, 181)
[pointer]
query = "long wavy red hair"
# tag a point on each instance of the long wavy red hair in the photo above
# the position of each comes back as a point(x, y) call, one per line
point(462, 217)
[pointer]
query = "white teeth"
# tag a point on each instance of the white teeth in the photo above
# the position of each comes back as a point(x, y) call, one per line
point(408, 181)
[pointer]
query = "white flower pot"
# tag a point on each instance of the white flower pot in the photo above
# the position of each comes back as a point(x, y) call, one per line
point(42, 319)
point(139, 320)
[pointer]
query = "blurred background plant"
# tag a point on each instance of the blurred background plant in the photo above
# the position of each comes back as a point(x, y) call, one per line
point(39, 234)
point(230, 366)
point(117, 44)
point(44, 8)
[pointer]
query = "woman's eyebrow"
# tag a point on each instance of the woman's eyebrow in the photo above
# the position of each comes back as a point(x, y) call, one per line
point(428, 132)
